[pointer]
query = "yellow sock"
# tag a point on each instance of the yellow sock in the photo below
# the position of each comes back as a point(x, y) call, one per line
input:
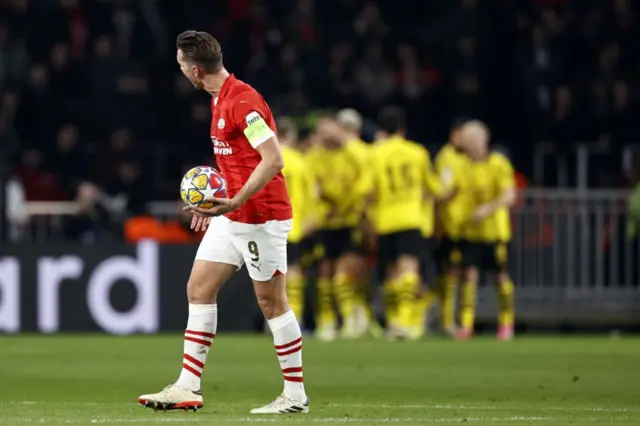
point(295, 294)
point(345, 295)
point(423, 304)
point(325, 314)
point(468, 306)
point(365, 299)
point(390, 302)
point(407, 287)
point(430, 297)
point(362, 293)
point(448, 307)
point(506, 309)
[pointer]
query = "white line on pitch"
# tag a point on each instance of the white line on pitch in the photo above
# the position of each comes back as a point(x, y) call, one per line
point(421, 406)
point(301, 419)
point(411, 406)
point(486, 407)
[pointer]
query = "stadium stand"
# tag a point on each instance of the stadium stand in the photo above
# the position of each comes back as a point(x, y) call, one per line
point(96, 88)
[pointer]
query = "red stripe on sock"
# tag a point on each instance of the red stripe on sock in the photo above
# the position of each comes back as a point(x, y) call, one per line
point(201, 333)
point(191, 370)
point(292, 370)
point(194, 361)
point(202, 342)
point(289, 352)
point(293, 379)
point(286, 345)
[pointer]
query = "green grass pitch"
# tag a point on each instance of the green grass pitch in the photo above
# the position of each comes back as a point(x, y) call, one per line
point(88, 379)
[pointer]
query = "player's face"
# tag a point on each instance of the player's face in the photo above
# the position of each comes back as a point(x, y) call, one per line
point(288, 139)
point(329, 131)
point(190, 71)
point(455, 138)
point(312, 140)
point(476, 142)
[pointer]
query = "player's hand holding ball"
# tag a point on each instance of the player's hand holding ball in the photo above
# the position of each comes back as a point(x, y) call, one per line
point(203, 190)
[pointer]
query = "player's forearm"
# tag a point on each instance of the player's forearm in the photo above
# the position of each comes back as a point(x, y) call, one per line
point(445, 196)
point(266, 170)
point(507, 199)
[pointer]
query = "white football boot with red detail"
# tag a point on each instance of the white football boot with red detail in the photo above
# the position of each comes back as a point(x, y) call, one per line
point(173, 398)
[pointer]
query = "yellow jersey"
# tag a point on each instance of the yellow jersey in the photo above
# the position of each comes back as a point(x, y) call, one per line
point(450, 166)
point(486, 181)
point(319, 208)
point(403, 178)
point(428, 217)
point(337, 173)
point(300, 189)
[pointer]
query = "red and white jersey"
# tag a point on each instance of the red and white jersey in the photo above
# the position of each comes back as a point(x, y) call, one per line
point(241, 120)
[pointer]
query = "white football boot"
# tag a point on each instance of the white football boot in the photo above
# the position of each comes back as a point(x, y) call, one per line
point(350, 329)
point(173, 397)
point(283, 405)
point(326, 333)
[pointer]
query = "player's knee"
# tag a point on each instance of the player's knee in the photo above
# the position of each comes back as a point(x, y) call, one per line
point(453, 272)
point(408, 265)
point(294, 271)
point(206, 279)
point(471, 274)
point(271, 305)
point(502, 277)
point(272, 297)
point(199, 291)
point(325, 269)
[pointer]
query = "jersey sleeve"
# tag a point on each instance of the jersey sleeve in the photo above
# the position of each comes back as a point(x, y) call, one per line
point(364, 184)
point(248, 114)
point(376, 175)
point(505, 173)
point(307, 183)
point(433, 182)
point(444, 168)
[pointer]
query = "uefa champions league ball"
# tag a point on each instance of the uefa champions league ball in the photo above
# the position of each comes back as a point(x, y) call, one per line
point(200, 184)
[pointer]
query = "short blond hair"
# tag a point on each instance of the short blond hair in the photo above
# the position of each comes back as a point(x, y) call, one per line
point(477, 126)
point(350, 119)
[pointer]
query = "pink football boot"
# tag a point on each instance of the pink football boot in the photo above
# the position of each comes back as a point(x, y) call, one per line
point(505, 333)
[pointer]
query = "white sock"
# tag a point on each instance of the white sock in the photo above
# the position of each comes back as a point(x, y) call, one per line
point(200, 332)
point(287, 339)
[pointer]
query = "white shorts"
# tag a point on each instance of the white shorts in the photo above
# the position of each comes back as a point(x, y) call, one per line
point(262, 247)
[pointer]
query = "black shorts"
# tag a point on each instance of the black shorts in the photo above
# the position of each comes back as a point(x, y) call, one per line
point(294, 253)
point(486, 256)
point(309, 249)
point(358, 241)
point(427, 267)
point(338, 242)
point(392, 246)
point(449, 254)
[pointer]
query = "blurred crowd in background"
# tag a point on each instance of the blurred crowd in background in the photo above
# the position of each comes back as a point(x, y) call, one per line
point(92, 101)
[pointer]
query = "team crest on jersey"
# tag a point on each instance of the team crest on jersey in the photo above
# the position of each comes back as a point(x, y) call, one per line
point(221, 124)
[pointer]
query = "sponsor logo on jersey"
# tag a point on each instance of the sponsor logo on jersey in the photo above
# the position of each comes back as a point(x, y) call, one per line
point(252, 117)
point(221, 147)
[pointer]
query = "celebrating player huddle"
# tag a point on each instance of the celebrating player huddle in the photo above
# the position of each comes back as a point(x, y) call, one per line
point(385, 202)
point(340, 204)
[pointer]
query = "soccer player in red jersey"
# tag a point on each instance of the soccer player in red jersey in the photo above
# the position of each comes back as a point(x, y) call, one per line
point(250, 226)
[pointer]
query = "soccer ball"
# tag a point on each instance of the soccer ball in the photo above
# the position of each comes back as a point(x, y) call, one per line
point(200, 184)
